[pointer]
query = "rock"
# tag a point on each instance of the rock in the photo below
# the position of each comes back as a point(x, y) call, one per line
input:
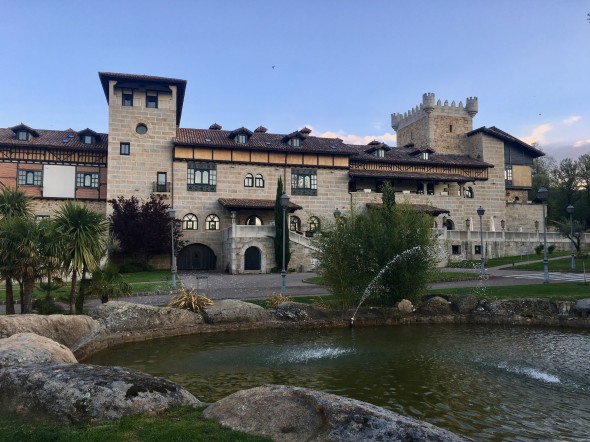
point(581, 308)
point(405, 306)
point(80, 394)
point(287, 414)
point(464, 304)
point(234, 311)
point(29, 348)
point(117, 316)
point(525, 307)
point(69, 330)
point(435, 306)
point(299, 311)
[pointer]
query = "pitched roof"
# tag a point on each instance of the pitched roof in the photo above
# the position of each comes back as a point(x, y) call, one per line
point(402, 175)
point(105, 77)
point(54, 138)
point(506, 137)
point(244, 203)
point(261, 141)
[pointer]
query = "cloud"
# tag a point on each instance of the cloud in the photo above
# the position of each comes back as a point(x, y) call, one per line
point(572, 119)
point(538, 134)
point(387, 137)
point(582, 143)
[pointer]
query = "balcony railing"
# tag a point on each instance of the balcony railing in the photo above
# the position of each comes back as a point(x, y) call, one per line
point(161, 187)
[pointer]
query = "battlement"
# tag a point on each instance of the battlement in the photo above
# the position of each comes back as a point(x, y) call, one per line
point(428, 107)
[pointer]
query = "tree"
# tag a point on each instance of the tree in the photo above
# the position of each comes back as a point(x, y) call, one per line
point(13, 203)
point(84, 235)
point(389, 250)
point(143, 228)
point(279, 227)
point(573, 232)
point(107, 282)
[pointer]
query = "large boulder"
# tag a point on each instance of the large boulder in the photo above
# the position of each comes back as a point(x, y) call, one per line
point(80, 394)
point(29, 348)
point(299, 311)
point(118, 316)
point(524, 307)
point(581, 308)
point(287, 414)
point(435, 306)
point(234, 311)
point(405, 306)
point(464, 304)
point(69, 330)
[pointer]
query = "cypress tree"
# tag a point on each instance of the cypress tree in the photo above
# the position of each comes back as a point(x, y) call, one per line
point(279, 225)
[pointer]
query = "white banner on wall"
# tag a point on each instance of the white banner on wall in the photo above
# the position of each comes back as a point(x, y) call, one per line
point(59, 181)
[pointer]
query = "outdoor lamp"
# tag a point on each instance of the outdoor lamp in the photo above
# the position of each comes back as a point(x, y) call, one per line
point(542, 195)
point(480, 212)
point(570, 210)
point(171, 215)
point(284, 204)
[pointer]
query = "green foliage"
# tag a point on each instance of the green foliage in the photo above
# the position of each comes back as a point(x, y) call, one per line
point(539, 249)
point(107, 283)
point(551, 248)
point(135, 267)
point(361, 245)
point(281, 223)
point(47, 306)
point(190, 300)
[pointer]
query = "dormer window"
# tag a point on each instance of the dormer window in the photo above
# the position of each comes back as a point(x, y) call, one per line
point(22, 135)
point(151, 99)
point(295, 142)
point(87, 139)
point(128, 97)
point(380, 153)
point(241, 138)
point(425, 155)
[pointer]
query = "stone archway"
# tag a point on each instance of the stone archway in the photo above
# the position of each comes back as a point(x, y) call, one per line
point(196, 257)
point(252, 258)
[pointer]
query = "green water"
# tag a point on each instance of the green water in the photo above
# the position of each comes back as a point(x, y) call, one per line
point(488, 383)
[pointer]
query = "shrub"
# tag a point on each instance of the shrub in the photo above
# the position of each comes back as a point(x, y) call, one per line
point(47, 307)
point(190, 300)
point(551, 248)
point(135, 267)
point(539, 249)
point(275, 300)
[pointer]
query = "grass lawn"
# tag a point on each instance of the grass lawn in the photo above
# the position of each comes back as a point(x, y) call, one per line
point(140, 282)
point(562, 291)
point(506, 260)
point(436, 276)
point(182, 424)
point(561, 265)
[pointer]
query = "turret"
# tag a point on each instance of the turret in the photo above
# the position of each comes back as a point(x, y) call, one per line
point(428, 102)
point(471, 106)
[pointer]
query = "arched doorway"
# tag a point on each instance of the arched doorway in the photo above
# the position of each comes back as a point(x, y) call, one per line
point(196, 257)
point(252, 258)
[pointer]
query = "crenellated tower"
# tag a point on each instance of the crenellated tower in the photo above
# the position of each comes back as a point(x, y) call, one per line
point(441, 126)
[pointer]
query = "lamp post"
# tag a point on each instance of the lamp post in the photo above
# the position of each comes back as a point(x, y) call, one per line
point(480, 212)
point(337, 214)
point(171, 215)
point(542, 194)
point(284, 205)
point(570, 210)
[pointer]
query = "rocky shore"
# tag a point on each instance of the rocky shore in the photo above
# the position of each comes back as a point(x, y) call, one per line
point(40, 375)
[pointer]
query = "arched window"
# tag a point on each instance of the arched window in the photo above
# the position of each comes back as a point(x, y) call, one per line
point(468, 192)
point(212, 222)
point(295, 224)
point(190, 222)
point(314, 223)
point(259, 180)
point(249, 180)
point(253, 220)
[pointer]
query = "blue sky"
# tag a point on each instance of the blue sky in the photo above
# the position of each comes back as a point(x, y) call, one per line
point(340, 67)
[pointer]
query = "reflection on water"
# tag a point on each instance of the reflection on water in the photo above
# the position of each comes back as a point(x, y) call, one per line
point(488, 383)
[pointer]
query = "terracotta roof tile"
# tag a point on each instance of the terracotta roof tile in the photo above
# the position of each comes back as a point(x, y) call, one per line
point(361, 173)
point(54, 138)
point(243, 203)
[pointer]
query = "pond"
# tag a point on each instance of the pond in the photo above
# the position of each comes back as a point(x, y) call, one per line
point(484, 382)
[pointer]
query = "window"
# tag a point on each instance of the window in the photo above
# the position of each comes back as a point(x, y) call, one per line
point(201, 177)
point(477, 250)
point(304, 182)
point(190, 222)
point(127, 97)
point(22, 135)
point(508, 174)
point(380, 153)
point(87, 139)
point(450, 128)
point(314, 223)
point(430, 188)
point(259, 180)
point(212, 222)
point(30, 177)
point(41, 217)
point(253, 221)
point(249, 180)
point(424, 155)
point(241, 138)
point(87, 179)
point(419, 188)
point(141, 129)
point(295, 142)
point(295, 224)
point(468, 192)
point(456, 249)
point(151, 99)
point(125, 149)
point(161, 184)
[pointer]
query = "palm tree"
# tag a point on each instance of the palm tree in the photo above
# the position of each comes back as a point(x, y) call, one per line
point(13, 203)
point(84, 235)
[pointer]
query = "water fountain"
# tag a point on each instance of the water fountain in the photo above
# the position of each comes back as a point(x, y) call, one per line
point(370, 287)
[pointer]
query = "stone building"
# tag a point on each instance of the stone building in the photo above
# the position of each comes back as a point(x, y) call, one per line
point(222, 183)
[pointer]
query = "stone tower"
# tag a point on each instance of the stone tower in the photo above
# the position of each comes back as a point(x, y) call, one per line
point(439, 126)
point(144, 113)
